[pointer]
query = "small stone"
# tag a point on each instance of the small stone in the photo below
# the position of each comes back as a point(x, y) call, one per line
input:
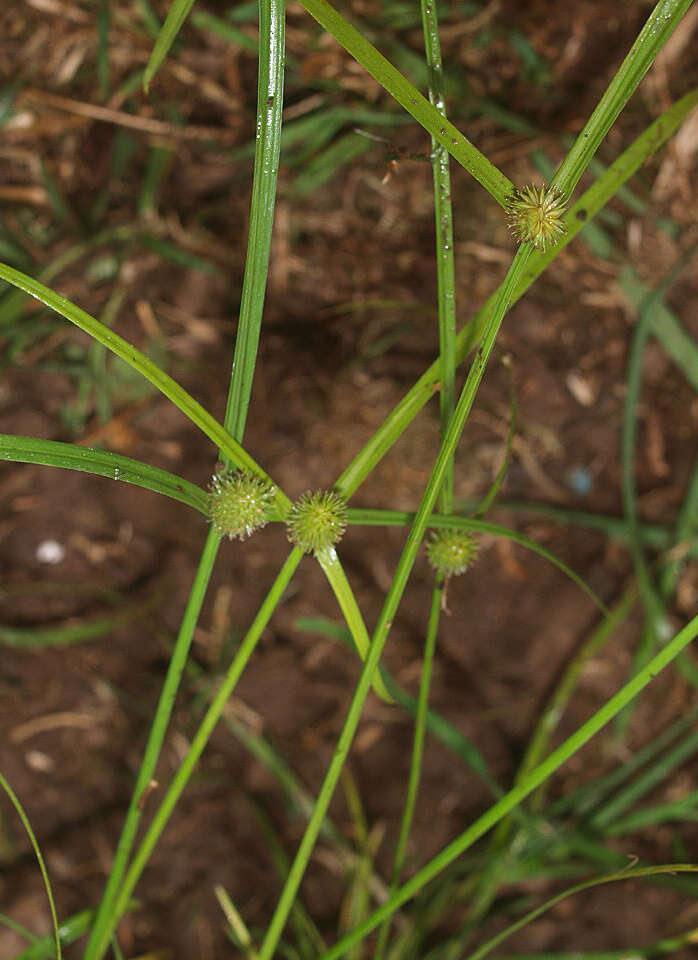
point(51, 552)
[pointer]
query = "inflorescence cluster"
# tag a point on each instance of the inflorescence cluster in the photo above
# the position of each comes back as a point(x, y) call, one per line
point(451, 552)
point(239, 503)
point(317, 521)
point(536, 215)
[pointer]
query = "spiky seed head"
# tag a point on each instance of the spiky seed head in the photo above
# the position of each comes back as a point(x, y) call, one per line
point(450, 552)
point(239, 503)
point(536, 215)
point(317, 521)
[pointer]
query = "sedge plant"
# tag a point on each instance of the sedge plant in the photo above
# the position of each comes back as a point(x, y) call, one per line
point(241, 498)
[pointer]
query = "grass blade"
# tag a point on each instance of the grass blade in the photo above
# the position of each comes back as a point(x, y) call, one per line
point(407, 95)
point(655, 33)
point(344, 595)
point(420, 727)
point(484, 505)
point(554, 709)
point(269, 102)
point(686, 531)
point(223, 29)
point(101, 463)
point(164, 383)
point(437, 725)
point(397, 518)
point(655, 614)
point(390, 606)
point(32, 638)
point(238, 931)
point(589, 796)
point(176, 15)
point(103, 48)
point(270, 92)
point(683, 810)
point(12, 304)
point(22, 931)
point(580, 213)
point(654, 535)
point(69, 931)
point(641, 784)
point(200, 739)
point(535, 778)
point(443, 228)
point(107, 914)
point(675, 341)
point(503, 839)
point(42, 866)
point(670, 868)
point(652, 602)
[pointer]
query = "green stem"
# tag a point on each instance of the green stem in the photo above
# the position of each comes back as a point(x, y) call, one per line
point(503, 836)
point(514, 797)
point(229, 437)
point(658, 28)
point(556, 705)
point(31, 638)
point(68, 930)
point(407, 95)
point(191, 408)
point(101, 463)
point(577, 216)
point(446, 293)
point(270, 92)
point(652, 602)
point(437, 596)
point(655, 535)
point(107, 915)
point(390, 606)
point(12, 303)
point(42, 866)
point(443, 217)
point(341, 588)
point(400, 518)
point(686, 530)
point(176, 16)
point(206, 728)
point(670, 868)
point(339, 755)
point(651, 599)
point(420, 725)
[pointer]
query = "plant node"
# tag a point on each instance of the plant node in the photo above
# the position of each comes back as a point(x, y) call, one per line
point(239, 503)
point(317, 521)
point(536, 215)
point(451, 551)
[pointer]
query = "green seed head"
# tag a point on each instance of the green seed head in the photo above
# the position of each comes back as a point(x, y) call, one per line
point(239, 503)
point(450, 552)
point(317, 521)
point(536, 215)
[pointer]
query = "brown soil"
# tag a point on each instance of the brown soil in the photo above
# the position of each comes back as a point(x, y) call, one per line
point(73, 720)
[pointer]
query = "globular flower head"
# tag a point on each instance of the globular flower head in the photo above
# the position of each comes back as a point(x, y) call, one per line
point(239, 503)
point(450, 552)
point(536, 215)
point(317, 521)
